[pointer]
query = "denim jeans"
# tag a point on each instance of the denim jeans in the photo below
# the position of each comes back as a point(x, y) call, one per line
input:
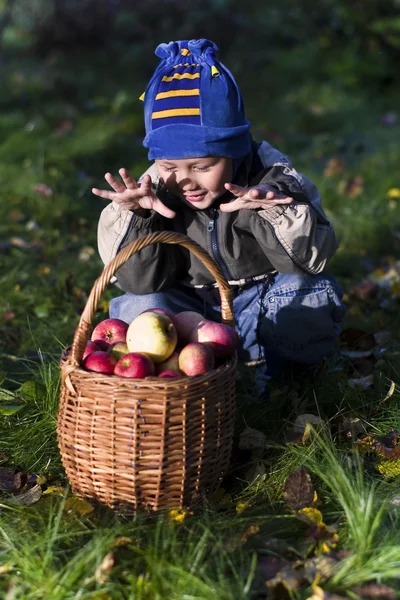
point(294, 318)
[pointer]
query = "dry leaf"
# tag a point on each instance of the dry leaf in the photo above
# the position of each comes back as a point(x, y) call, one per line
point(103, 571)
point(29, 497)
point(301, 429)
point(77, 506)
point(12, 482)
point(299, 490)
point(375, 590)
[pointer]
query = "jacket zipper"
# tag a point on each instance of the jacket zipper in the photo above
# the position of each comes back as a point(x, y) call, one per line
point(212, 228)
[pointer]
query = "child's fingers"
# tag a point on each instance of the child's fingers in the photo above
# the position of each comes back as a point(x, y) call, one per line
point(237, 190)
point(255, 194)
point(128, 180)
point(103, 193)
point(232, 206)
point(145, 186)
point(116, 185)
point(286, 200)
point(163, 210)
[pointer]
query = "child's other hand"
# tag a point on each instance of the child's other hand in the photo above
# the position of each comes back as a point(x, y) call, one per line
point(259, 196)
point(131, 196)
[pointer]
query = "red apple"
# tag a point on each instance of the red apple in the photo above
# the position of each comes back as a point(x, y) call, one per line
point(100, 361)
point(170, 373)
point(223, 339)
point(110, 331)
point(154, 334)
point(161, 311)
point(89, 348)
point(196, 358)
point(118, 350)
point(172, 363)
point(135, 365)
point(185, 322)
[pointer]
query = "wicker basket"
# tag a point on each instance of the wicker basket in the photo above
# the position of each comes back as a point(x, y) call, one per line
point(145, 443)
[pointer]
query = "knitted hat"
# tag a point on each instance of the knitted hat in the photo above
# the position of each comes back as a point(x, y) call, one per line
point(193, 106)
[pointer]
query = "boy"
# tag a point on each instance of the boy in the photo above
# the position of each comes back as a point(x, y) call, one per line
point(242, 201)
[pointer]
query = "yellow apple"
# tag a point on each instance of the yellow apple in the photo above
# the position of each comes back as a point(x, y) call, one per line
point(154, 334)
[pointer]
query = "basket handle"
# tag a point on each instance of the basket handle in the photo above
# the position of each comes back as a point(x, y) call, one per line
point(84, 327)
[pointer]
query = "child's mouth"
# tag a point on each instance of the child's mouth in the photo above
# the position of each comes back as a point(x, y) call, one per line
point(195, 197)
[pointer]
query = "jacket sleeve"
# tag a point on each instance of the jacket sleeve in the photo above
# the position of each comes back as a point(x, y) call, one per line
point(151, 269)
point(296, 237)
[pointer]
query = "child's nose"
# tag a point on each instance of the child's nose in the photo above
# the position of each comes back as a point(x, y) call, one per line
point(186, 182)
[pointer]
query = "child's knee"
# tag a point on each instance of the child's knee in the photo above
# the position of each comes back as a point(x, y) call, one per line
point(128, 306)
point(302, 317)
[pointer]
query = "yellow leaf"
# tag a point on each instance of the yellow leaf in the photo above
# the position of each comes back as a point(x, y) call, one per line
point(311, 515)
point(55, 490)
point(78, 506)
point(178, 515)
point(252, 530)
point(389, 468)
point(393, 193)
point(318, 593)
point(241, 507)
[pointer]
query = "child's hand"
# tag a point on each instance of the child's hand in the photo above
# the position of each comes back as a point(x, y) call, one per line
point(259, 196)
point(131, 196)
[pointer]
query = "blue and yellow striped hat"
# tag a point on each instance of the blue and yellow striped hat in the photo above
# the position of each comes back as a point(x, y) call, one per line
point(193, 106)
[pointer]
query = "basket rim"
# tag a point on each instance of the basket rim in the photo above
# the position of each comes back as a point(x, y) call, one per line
point(85, 325)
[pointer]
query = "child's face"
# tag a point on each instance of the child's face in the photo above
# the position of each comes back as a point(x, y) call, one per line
point(197, 181)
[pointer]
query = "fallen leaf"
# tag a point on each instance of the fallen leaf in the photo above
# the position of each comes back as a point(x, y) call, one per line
point(390, 392)
point(271, 565)
point(242, 506)
point(12, 482)
point(178, 515)
point(78, 506)
point(250, 531)
point(320, 567)
point(301, 429)
point(103, 571)
point(29, 497)
point(286, 580)
point(54, 490)
point(299, 490)
point(377, 590)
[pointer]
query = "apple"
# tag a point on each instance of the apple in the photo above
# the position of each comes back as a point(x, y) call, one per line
point(223, 339)
point(118, 350)
point(172, 363)
point(170, 373)
point(196, 358)
point(135, 365)
point(89, 348)
point(185, 322)
point(161, 311)
point(110, 331)
point(154, 334)
point(100, 361)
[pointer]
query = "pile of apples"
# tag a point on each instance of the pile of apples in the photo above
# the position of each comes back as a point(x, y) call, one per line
point(159, 343)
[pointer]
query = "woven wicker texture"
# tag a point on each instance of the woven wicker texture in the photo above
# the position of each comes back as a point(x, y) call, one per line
point(145, 443)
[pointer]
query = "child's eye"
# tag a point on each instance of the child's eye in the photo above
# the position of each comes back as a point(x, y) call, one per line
point(202, 168)
point(169, 169)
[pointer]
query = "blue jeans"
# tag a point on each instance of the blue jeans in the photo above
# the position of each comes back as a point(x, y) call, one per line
point(294, 318)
